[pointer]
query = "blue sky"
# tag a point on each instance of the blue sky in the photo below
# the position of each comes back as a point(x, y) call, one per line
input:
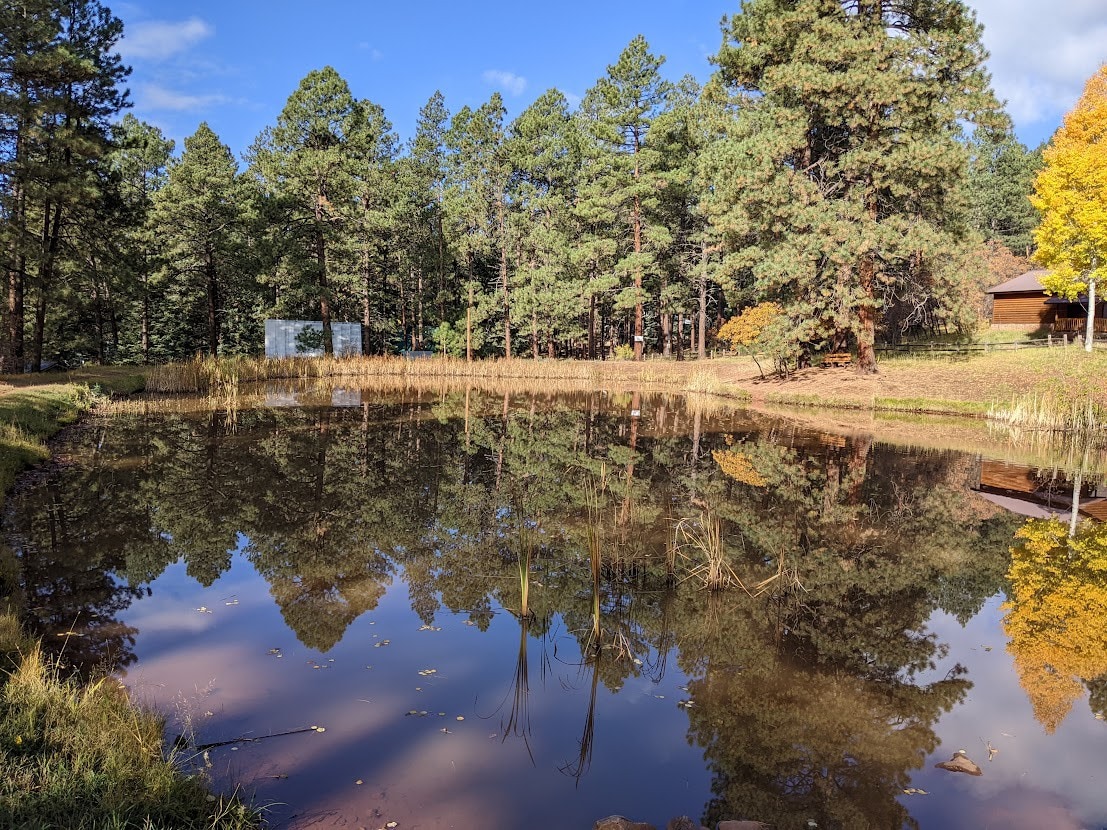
point(234, 63)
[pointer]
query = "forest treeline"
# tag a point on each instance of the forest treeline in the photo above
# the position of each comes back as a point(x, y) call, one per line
point(845, 160)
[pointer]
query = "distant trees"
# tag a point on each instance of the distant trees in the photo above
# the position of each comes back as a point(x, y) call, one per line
point(823, 168)
point(1071, 193)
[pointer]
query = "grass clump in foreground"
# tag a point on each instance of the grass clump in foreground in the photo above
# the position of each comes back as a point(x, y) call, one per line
point(83, 757)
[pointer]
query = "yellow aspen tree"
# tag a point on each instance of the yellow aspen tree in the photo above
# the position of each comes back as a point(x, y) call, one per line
point(1071, 193)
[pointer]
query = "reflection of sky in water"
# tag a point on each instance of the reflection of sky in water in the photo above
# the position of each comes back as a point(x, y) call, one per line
point(1033, 777)
point(411, 771)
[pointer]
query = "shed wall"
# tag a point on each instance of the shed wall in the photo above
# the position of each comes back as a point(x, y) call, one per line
point(1022, 308)
point(280, 338)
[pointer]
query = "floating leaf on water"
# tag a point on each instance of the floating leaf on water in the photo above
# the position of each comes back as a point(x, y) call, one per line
point(441, 714)
point(203, 609)
point(279, 775)
point(915, 791)
point(1099, 716)
point(321, 729)
point(637, 661)
point(960, 763)
point(444, 730)
point(234, 749)
point(412, 712)
point(429, 628)
point(392, 824)
point(660, 697)
point(460, 717)
point(359, 782)
point(274, 651)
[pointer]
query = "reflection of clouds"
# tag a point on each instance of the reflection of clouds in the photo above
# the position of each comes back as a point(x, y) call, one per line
point(1061, 765)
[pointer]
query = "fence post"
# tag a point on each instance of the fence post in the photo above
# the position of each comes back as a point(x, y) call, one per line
point(1049, 340)
point(1065, 338)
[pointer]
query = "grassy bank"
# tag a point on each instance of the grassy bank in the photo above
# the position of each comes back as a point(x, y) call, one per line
point(78, 755)
point(82, 757)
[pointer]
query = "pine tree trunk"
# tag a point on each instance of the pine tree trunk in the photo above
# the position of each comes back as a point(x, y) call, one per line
point(503, 279)
point(469, 317)
point(213, 306)
point(639, 328)
point(592, 327)
point(321, 265)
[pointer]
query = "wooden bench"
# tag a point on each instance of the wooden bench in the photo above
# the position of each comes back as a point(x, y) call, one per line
point(838, 359)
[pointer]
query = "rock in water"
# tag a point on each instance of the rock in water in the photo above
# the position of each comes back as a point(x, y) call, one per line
point(960, 763)
point(621, 823)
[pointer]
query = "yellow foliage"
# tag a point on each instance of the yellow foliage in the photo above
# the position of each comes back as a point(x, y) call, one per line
point(738, 466)
point(1055, 613)
point(1071, 193)
point(744, 329)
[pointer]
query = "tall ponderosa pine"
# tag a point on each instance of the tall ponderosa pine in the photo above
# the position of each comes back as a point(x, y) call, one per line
point(476, 203)
point(622, 105)
point(198, 222)
point(426, 176)
point(1071, 193)
point(1001, 181)
point(544, 156)
point(305, 168)
point(59, 86)
point(139, 161)
point(842, 179)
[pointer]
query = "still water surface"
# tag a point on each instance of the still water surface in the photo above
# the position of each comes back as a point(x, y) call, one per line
point(358, 569)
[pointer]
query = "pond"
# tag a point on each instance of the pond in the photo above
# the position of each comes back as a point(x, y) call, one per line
point(469, 609)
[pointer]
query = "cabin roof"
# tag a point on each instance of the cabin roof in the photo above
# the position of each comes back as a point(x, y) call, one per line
point(1028, 283)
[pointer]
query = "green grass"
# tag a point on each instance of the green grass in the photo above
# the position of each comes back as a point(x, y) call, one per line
point(83, 757)
point(28, 417)
point(931, 406)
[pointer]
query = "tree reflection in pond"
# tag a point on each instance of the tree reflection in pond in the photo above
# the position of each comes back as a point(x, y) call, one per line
point(1055, 615)
point(806, 700)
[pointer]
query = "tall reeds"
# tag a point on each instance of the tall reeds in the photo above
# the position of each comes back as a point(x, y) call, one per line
point(205, 375)
point(1080, 415)
point(594, 488)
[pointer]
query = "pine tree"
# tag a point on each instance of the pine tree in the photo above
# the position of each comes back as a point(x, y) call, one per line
point(544, 157)
point(622, 106)
point(1001, 181)
point(426, 167)
point(304, 167)
point(198, 221)
point(139, 160)
point(1071, 193)
point(840, 189)
point(59, 87)
point(380, 204)
point(476, 209)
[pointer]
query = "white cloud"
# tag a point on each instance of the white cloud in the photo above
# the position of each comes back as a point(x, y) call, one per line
point(160, 39)
point(156, 97)
point(509, 82)
point(1042, 55)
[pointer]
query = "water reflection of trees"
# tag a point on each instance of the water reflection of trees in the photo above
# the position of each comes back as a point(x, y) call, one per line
point(806, 701)
point(1055, 615)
